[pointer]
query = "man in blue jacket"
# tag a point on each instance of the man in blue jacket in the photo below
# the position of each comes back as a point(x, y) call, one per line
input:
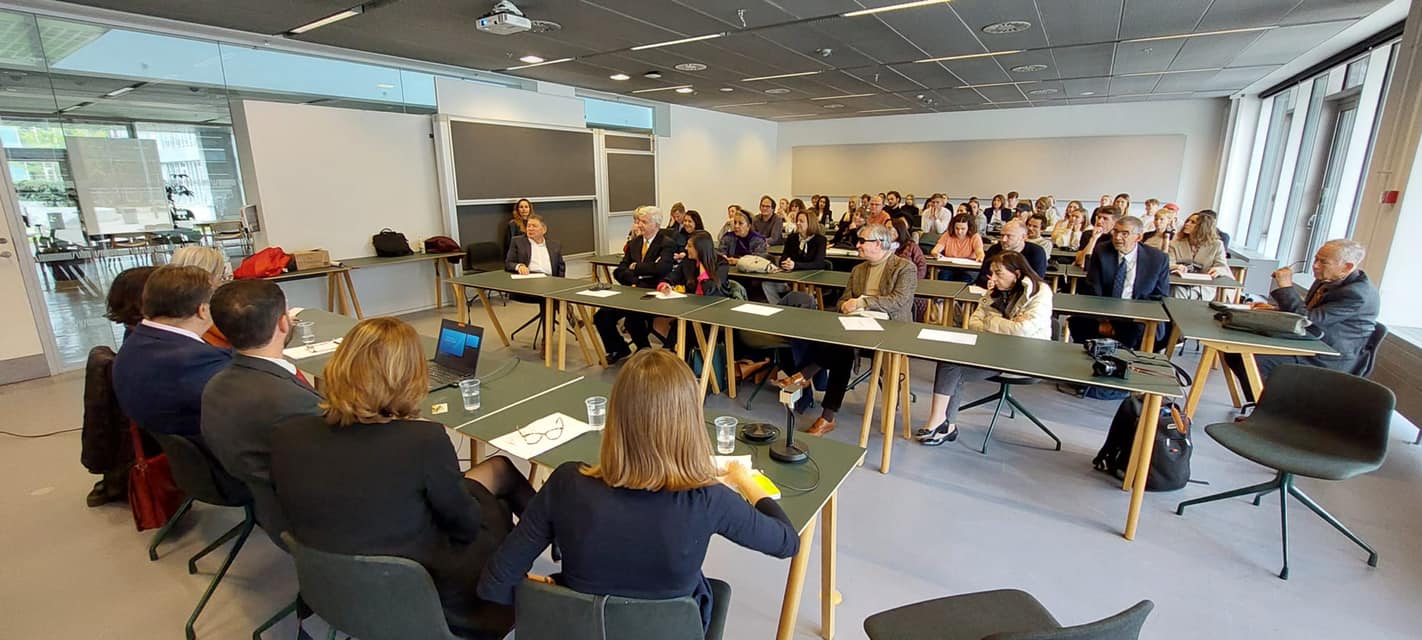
point(161, 369)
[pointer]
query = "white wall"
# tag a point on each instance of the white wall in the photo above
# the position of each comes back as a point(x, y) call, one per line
point(550, 105)
point(1202, 122)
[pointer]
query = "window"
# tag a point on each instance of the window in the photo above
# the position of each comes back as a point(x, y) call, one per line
point(617, 115)
point(1281, 120)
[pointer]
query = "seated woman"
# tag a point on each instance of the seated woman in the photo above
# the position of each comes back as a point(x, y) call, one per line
point(522, 210)
point(883, 282)
point(1017, 303)
point(1198, 249)
point(371, 478)
point(741, 240)
point(804, 251)
point(961, 241)
point(638, 523)
point(848, 232)
point(213, 261)
point(702, 273)
point(1066, 234)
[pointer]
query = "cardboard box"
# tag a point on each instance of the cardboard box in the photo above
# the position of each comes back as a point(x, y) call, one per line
point(312, 259)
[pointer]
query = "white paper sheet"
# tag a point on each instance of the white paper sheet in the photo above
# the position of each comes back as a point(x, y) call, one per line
point(859, 323)
point(670, 295)
point(528, 276)
point(841, 252)
point(956, 337)
point(605, 293)
point(722, 462)
point(976, 290)
point(315, 349)
point(1199, 277)
point(961, 262)
point(757, 309)
point(514, 444)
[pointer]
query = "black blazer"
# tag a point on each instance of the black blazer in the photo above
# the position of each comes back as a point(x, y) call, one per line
point(634, 270)
point(521, 251)
point(999, 214)
point(688, 270)
point(241, 406)
point(1152, 272)
point(813, 258)
point(159, 377)
point(1035, 255)
point(1346, 311)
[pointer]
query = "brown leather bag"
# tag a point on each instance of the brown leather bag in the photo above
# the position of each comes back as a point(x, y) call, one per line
point(152, 494)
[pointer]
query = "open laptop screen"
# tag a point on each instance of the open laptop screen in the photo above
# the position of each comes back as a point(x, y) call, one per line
point(458, 345)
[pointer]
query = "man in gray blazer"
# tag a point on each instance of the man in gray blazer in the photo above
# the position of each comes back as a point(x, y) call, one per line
point(242, 403)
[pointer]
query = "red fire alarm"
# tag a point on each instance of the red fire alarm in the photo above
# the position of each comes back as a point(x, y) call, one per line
point(1389, 197)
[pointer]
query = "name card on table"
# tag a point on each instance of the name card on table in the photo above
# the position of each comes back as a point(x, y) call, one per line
point(1198, 277)
point(956, 337)
point(757, 309)
point(859, 323)
point(527, 276)
point(604, 293)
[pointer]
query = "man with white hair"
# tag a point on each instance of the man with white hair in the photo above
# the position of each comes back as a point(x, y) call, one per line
point(646, 261)
point(1342, 302)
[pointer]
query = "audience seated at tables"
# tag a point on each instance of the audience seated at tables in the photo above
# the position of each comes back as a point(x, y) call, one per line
point(1162, 232)
point(215, 262)
point(535, 252)
point(961, 241)
point(1036, 225)
point(1197, 249)
point(243, 403)
point(369, 477)
point(820, 206)
point(1122, 268)
point(896, 207)
point(847, 234)
point(937, 216)
point(637, 524)
point(885, 283)
point(1016, 303)
point(703, 272)
point(1045, 206)
point(1342, 302)
point(1014, 238)
point(742, 240)
point(804, 251)
point(522, 210)
point(1066, 233)
point(164, 364)
point(876, 213)
point(998, 213)
point(767, 223)
point(648, 259)
point(1103, 221)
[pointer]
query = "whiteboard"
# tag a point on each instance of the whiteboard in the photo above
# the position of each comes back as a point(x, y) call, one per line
point(1146, 166)
point(119, 183)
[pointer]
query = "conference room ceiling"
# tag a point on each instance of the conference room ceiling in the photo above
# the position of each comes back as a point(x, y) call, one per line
point(1070, 52)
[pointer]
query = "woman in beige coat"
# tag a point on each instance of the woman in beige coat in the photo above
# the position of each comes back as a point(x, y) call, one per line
point(1198, 249)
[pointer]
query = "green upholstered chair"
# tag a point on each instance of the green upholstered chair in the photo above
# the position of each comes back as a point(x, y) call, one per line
point(1310, 422)
point(551, 612)
point(1004, 396)
point(1005, 614)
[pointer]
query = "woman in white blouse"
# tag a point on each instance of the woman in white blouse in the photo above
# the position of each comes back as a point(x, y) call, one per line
point(1197, 249)
point(936, 215)
point(1067, 232)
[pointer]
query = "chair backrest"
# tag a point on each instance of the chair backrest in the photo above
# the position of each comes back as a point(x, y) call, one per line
point(1369, 355)
point(484, 256)
point(198, 474)
point(551, 612)
point(1125, 625)
point(1356, 409)
point(370, 597)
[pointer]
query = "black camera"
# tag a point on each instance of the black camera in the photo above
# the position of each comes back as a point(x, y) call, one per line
point(1110, 366)
point(1099, 348)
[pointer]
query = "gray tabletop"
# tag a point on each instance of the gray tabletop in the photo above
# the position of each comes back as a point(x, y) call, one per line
point(308, 273)
point(634, 299)
point(788, 322)
point(1225, 281)
point(504, 281)
point(1196, 321)
point(377, 261)
point(1078, 303)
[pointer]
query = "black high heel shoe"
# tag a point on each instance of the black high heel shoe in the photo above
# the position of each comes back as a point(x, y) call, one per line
point(942, 433)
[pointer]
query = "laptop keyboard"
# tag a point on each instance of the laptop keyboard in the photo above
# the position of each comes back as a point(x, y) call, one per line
point(442, 376)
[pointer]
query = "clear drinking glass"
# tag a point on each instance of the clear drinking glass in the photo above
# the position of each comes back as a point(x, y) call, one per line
point(597, 411)
point(726, 435)
point(306, 331)
point(469, 390)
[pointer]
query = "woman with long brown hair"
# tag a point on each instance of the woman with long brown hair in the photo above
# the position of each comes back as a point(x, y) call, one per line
point(637, 524)
point(1198, 249)
point(521, 211)
point(370, 477)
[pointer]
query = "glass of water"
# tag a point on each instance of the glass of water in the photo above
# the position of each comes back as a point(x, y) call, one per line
point(306, 331)
point(469, 390)
point(726, 435)
point(597, 411)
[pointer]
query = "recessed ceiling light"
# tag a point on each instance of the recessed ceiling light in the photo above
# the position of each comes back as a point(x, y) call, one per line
point(892, 7)
point(336, 17)
point(531, 59)
point(1029, 68)
point(726, 89)
point(1202, 33)
point(620, 76)
point(834, 105)
point(684, 90)
point(970, 56)
point(1088, 93)
point(676, 87)
point(668, 43)
point(996, 84)
point(777, 91)
point(1043, 92)
point(783, 75)
point(538, 64)
point(652, 75)
point(691, 67)
point(1009, 26)
point(845, 96)
point(1161, 73)
point(742, 104)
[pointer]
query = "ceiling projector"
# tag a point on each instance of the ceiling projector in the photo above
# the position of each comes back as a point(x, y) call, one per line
point(504, 19)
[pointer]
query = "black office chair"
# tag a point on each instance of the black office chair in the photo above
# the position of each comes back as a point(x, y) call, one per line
point(1004, 396)
point(551, 612)
point(480, 257)
point(1005, 614)
point(204, 480)
point(1311, 422)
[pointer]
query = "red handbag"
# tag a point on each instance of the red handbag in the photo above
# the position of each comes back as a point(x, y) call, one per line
point(152, 494)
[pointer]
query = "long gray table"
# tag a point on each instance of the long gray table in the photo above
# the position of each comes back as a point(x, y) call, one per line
point(540, 287)
point(1148, 312)
point(575, 302)
point(441, 262)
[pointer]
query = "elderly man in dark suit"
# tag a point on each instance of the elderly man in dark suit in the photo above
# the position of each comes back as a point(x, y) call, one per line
point(1342, 302)
point(1124, 268)
point(162, 367)
point(646, 261)
point(244, 402)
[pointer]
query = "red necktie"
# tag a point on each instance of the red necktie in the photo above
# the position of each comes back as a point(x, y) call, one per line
point(302, 378)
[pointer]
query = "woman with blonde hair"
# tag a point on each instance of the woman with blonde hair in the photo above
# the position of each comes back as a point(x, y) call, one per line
point(1198, 249)
point(637, 524)
point(1067, 232)
point(370, 477)
point(213, 261)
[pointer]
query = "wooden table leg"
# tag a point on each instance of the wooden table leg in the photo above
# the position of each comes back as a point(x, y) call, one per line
point(493, 319)
point(1201, 374)
point(562, 338)
point(1236, 395)
point(875, 369)
point(1251, 374)
point(730, 364)
point(891, 409)
point(331, 294)
point(456, 290)
point(1148, 340)
point(350, 290)
point(829, 597)
point(571, 315)
point(795, 582)
point(1073, 284)
point(593, 336)
point(707, 347)
point(906, 396)
point(439, 287)
point(1172, 341)
point(681, 338)
point(549, 308)
point(968, 309)
point(1145, 445)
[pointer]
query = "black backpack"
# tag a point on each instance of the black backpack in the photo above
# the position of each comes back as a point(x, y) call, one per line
point(390, 244)
point(1169, 460)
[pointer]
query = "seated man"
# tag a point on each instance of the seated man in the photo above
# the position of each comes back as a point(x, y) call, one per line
point(1342, 302)
point(534, 252)
point(1127, 269)
point(162, 367)
point(645, 263)
point(244, 402)
point(1103, 220)
point(1014, 238)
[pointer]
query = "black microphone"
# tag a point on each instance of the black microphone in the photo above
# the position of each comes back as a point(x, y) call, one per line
point(789, 452)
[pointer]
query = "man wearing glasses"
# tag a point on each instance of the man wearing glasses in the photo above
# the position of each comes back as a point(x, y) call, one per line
point(1124, 269)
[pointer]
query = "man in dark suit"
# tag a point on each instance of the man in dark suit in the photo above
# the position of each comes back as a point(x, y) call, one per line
point(244, 402)
point(534, 252)
point(1122, 268)
point(647, 260)
point(1342, 302)
point(1014, 238)
point(162, 367)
